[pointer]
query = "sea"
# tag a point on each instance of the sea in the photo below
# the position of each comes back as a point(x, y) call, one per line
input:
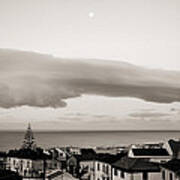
point(11, 139)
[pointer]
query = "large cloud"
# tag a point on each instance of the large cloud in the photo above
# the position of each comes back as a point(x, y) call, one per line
point(33, 79)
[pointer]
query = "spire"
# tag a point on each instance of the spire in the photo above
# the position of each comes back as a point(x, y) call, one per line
point(29, 141)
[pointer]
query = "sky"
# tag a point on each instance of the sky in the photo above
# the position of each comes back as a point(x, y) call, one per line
point(98, 64)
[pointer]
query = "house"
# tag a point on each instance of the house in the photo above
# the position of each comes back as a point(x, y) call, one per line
point(28, 163)
point(59, 157)
point(110, 150)
point(95, 170)
point(153, 152)
point(135, 169)
point(98, 167)
point(73, 163)
point(171, 170)
point(175, 147)
point(92, 166)
point(73, 150)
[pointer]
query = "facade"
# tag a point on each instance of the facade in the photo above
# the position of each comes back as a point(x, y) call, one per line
point(73, 165)
point(26, 167)
point(59, 158)
point(92, 166)
point(95, 170)
point(171, 170)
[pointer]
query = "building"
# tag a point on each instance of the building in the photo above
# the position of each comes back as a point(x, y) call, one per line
point(92, 166)
point(110, 150)
point(171, 170)
point(29, 161)
point(175, 148)
point(95, 170)
point(73, 162)
point(59, 157)
point(135, 169)
point(73, 150)
point(153, 152)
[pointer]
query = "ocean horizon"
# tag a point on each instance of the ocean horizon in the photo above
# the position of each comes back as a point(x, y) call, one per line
point(81, 138)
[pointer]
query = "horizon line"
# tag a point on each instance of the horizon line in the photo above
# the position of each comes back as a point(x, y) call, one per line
point(91, 130)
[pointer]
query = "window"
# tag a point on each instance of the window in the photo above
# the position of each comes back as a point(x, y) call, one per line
point(122, 174)
point(107, 169)
point(25, 172)
point(163, 175)
point(145, 176)
point(98, 167)
point(21, 165)
point(27, 164)
point(170, 176)
point(115, 172)
point(104, 168)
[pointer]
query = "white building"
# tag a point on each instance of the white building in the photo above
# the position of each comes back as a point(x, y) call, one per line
point(95, 170)
point(153, 152)
point(29, 161)
point(135, 169)
point(26, 167)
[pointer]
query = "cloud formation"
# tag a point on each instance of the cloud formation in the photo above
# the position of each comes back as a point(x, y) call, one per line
point(149, 115)
point(33, 79)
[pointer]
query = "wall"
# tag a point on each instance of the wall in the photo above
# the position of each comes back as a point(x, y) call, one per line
point(135, 176)
point(25, 166)
point(97, 170)
point(167, 174)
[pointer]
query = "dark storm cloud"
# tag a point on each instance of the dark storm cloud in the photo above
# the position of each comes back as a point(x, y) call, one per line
point(40, 80)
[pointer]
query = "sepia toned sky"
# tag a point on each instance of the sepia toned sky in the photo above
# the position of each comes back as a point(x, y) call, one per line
point(99, 64)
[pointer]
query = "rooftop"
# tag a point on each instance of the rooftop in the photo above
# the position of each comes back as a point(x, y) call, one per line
point(37, 154)
point(136, 165)
point(172, 165)
point(102, 157)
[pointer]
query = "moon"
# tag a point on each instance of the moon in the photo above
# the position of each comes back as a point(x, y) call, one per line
point(91, 15)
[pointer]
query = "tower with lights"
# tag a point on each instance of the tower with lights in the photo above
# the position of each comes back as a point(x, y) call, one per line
point(29, 141)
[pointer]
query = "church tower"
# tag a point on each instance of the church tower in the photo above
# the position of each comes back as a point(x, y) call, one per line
point(29, 141)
